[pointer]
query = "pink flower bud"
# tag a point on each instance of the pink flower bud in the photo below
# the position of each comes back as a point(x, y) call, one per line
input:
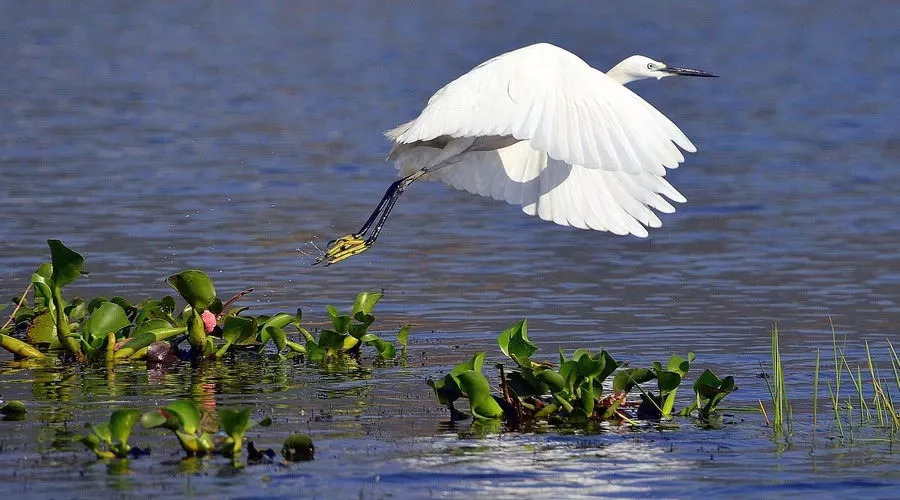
point(209, 321)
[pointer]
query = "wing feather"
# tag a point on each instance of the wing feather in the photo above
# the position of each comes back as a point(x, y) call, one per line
point(569, 195)
point(559, 104)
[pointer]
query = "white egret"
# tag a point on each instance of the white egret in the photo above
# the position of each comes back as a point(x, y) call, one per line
point(540, 128)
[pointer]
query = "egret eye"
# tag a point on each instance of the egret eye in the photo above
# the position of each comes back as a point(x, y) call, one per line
point(649, 65)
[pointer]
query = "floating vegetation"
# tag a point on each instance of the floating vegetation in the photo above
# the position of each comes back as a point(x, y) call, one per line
point(110, 439)
point(13, 408)
point(114, 329)
point(573, 391)
point(298, 448)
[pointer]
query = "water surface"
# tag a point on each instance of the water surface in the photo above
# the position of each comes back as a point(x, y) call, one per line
point(163, 136)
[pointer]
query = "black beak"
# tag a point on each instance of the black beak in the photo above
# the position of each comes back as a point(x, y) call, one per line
point(688, 72)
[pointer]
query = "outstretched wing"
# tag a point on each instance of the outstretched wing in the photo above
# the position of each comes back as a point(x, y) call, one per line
point(568, 195)
point(560, 105)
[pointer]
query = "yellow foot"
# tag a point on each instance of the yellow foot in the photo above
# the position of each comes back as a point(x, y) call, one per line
point(342, 248)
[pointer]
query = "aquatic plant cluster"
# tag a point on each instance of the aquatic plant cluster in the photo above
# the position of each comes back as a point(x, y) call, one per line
point(573, 391)
point(868, 413)
point(114, 329)
point(184, 419)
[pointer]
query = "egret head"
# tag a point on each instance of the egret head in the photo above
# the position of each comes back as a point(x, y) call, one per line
point(641, 67)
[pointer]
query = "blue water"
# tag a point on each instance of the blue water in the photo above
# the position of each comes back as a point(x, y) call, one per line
point(226, 136)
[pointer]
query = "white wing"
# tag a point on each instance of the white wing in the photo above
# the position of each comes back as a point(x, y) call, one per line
point(560, 105)
point(614, 201)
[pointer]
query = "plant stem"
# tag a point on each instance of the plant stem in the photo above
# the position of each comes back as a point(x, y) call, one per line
point(18, 306)
point(815, 399)
point(63, 333)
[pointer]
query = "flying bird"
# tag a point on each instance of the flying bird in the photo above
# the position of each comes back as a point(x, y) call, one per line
point(540, 128)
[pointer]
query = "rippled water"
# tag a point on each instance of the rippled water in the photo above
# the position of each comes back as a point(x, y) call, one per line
point(224, 136)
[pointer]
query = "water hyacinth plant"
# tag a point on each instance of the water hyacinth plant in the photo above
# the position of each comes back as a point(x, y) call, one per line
point(573, 390)
point(183, 419)
point(110, 439)
point(115, 330)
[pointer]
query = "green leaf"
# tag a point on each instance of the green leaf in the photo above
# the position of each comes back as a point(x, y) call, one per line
point(106, 318)
point(341, 323)
point(279, 320)
point(315, 352)
point(154, 309)
point(626, 379)
point(515, 344)
point(147, 336)
point(588, 366)
point(67, 264)
point(187, 413)
point(525, 385)
point(667, 381)
point(195, 287)
point(120, 424)
point(278, 336)
point(587, 396)
point(155, 418)
point(474, 363)
point(403, 336)
point(43, 281)
point(385, 349)
point(365, 302)
point(609, 366)
point(238, 328)
point(92, 442)
point(708, 384)
point(42, 329)
point(102, 432)
point(235, 422)
point(481, 401)
point(678, 365)
point(76, 310)
point(123, 303)
point(555, 381)
point(96, 302)
point(330, 339)
point(446, 389)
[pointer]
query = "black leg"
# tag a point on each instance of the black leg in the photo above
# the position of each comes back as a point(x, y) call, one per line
point(353, 244)
point(390, 196)
point(398, 188)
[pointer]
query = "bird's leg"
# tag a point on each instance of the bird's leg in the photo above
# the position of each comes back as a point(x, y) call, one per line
point(354, 244)
point(357, 243)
